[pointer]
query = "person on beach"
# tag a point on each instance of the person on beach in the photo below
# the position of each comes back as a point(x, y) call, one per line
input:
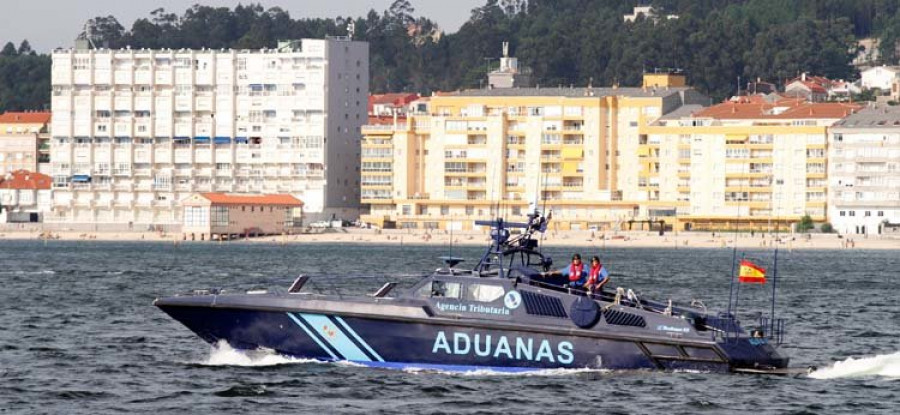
point(576, 272)
point(598, 276)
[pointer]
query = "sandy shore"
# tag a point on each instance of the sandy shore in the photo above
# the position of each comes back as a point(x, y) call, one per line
point(569, 238)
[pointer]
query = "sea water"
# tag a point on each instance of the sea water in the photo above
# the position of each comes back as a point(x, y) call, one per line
point(78, 334)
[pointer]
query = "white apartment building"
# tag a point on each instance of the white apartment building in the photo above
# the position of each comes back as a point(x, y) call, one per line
point(137, 131)
point(864, 171)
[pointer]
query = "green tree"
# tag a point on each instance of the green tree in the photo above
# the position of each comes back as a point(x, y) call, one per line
point(24, 80)
point(806, 224)
point(9, 50)
point(25, 48)
point(104, 31)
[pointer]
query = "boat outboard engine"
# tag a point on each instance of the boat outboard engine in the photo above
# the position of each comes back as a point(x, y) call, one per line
point(584, 312)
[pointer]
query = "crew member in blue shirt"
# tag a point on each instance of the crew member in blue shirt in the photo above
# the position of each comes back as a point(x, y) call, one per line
point(576, 272)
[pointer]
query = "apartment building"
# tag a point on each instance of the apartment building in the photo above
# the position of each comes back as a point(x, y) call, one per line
point(479, 153)
point(864, 172)
point(24, 141)
point(137, 131)
point(752, 162)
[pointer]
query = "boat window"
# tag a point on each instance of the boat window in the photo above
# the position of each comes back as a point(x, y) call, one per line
point(445, 289)
point(484, 293)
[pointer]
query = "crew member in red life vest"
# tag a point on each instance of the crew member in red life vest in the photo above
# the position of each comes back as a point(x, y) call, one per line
point(597, 276)
point(576, 271)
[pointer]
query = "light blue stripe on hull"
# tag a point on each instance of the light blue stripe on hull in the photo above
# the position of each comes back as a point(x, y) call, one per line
point(312, 336)
point(358, 339)
point(335, 337)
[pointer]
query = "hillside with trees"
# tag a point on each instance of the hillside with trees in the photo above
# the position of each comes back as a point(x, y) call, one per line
point(566, 42)
point(24, 78)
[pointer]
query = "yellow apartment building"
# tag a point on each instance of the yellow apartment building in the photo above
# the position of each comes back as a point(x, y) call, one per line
point(480, 153)
point(749, 163)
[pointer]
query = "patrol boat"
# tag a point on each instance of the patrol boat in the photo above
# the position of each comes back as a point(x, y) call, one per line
point(500, 315)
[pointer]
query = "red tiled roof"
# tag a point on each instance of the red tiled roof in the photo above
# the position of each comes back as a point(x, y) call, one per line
point(791, 109)
point(394, 98)
point(384, 119)
point(235, 199)
point(25, 180)
point(812, 86)
point(25, 118)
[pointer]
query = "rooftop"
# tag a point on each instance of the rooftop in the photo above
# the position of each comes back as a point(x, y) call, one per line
point(25, 180)
point(245, 199)
point(747, 108)
point(393, 98)
point(34, 117)
point(683, 111)
point(880, 116)
point(569, 92)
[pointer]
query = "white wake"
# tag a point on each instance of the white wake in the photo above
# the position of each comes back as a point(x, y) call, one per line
point(886, 365)
point(222, 354)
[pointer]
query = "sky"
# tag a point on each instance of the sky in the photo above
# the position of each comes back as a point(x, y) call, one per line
point(48, 24)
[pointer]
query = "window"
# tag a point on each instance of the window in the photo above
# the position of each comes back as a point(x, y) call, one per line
point(445, 289)
point(219, 215)
point(195, 216)
point(880, 213)
point(162, 182)
point(484, 293)
point(445, 210)
point(843, 213)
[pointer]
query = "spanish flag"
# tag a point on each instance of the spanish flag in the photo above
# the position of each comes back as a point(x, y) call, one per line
point(751, 273)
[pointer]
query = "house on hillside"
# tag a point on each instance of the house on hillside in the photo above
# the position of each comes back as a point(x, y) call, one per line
point(811, 88)
point(879, 77)
point(648, 12)
point(819, 88)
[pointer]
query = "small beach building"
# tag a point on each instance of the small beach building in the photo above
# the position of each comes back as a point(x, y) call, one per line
point(24, 196)
point(228, 215)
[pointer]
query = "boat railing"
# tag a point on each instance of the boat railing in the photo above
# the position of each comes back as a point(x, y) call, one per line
point(335, 286)
point(724, 325)
point(603, 295)
point(772, 329)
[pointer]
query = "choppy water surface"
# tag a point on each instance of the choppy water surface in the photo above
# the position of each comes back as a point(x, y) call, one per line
point(78, 334)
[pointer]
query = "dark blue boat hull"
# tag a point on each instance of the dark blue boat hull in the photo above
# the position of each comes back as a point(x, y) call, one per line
point(443, 345)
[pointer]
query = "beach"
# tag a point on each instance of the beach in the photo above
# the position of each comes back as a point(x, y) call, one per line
point(597, 239)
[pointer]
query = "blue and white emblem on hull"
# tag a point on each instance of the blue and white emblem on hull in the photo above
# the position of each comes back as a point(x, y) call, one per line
point(335, 337)
point(512, 300)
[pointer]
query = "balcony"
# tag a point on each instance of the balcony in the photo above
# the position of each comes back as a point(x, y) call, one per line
point(384, 127)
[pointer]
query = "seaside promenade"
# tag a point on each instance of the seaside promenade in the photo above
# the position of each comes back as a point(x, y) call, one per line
point(596, 239)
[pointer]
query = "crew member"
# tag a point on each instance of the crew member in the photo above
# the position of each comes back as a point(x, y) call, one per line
point(576, 271)
point(597, 276)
